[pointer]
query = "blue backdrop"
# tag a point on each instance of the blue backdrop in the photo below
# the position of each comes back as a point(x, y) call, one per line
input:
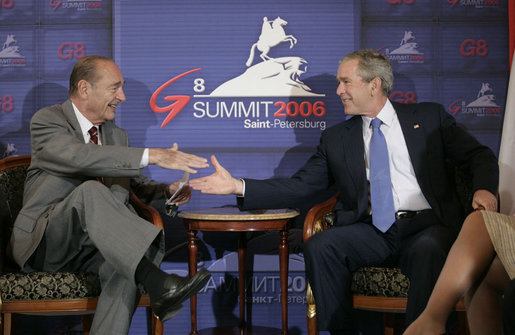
point(261, 119)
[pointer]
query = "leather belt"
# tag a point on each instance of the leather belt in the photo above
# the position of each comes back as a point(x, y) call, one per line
point(406, 214)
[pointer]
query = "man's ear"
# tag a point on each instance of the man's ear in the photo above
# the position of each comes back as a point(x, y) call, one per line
point(376, 84)
point(83, 88)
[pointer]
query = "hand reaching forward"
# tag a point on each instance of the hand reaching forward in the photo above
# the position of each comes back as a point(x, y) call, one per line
point(220, 182)
point(173, 159)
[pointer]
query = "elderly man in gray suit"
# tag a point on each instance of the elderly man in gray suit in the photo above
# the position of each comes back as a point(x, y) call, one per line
point(76, 213)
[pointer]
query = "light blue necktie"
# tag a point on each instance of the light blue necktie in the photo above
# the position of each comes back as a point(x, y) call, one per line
point(383, 211)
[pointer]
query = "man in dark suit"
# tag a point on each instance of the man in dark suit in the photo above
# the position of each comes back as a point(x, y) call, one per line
point(72, 221)
point(426, 213)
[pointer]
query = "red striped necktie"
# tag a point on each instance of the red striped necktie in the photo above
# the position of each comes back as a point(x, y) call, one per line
point(93, 133)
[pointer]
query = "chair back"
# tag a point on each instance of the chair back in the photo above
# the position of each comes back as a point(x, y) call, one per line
point(13, 171)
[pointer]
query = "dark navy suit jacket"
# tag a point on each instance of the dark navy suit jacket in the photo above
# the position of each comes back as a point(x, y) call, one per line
point(431, 135)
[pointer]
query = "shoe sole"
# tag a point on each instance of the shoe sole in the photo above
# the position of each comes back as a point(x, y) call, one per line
point(172, 310)
point(169, 313)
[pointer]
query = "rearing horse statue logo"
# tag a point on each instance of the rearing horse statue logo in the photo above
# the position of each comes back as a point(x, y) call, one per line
point(9, 41)
point(272, 33)
point(485, 88)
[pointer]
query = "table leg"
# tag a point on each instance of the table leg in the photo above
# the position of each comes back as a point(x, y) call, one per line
point(242, 255)
point(192, 264)
point(283, 265)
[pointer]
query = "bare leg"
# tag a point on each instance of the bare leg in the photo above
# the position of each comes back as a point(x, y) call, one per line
point(468, 260)
point(487, 320)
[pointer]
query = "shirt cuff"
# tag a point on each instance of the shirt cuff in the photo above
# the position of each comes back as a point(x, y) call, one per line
point(243, 191)
point(144, 159)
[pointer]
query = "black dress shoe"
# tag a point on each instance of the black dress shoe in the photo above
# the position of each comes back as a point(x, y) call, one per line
point(179, 289)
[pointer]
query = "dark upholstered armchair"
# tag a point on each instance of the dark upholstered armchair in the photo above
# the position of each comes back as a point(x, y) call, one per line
point(379, 289)
point(45, 292)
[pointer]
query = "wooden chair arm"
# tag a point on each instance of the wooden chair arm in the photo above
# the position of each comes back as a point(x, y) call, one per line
point(314, 221)
point(147, 212)
point(14, 161)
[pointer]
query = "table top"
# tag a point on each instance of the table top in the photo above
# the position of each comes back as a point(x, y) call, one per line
point(234, 214)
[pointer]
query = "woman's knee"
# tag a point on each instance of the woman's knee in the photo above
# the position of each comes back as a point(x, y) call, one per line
point(473, 220)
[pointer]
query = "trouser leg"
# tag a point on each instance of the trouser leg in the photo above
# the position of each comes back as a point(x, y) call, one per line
point(331, 256)
point(116, 304)
point(424, 248)
point(91, 230)
point(92, 218)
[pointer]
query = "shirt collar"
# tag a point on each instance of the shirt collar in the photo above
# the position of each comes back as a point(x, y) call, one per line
point(386, 115)
point(84, 123)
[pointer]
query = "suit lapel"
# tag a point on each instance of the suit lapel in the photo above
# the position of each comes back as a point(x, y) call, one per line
point(107, 134)
point(353, 147)
point(69, 113)
point(415, 137)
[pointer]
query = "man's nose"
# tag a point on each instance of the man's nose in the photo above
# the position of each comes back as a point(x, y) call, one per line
point(121, 95)
point(340, 90)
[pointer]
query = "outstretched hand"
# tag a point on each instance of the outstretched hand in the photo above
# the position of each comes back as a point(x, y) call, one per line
point(173, 159)
point(220, 182)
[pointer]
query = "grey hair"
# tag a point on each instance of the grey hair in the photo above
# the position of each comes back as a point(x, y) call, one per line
point(85, 69)
point(372, 64)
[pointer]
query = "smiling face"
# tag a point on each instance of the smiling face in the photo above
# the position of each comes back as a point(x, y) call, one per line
point(100, 97)
point(355, 93)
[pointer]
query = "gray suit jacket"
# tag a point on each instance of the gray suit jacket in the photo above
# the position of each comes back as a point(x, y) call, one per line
point(61, 161)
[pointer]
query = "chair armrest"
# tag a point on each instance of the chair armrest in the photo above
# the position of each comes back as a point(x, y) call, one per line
point(147, 212)
point(314, 221)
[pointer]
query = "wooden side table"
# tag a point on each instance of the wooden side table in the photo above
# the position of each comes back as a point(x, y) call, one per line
point(233, 220)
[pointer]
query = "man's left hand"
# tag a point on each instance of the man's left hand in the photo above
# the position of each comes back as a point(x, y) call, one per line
point(182, 197)
point(484, 198)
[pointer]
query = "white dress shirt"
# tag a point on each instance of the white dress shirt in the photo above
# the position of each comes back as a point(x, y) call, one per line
point(407, 194)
